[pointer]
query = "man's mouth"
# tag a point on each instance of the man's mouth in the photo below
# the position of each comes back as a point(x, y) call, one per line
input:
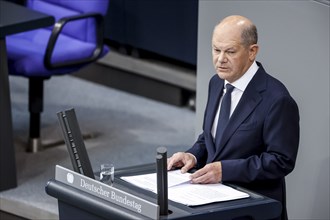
point(221, 68)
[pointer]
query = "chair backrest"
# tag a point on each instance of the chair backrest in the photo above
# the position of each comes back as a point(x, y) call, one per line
point(82, 29)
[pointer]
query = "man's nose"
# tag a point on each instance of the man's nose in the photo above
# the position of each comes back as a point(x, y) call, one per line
point(222, 58)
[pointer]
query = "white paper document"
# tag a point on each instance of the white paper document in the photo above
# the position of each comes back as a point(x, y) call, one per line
point(181, 190)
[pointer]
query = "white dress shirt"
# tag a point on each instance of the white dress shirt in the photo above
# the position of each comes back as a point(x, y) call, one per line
point(240, 86)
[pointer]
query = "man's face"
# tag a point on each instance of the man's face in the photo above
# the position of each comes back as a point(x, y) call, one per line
point(230, 58)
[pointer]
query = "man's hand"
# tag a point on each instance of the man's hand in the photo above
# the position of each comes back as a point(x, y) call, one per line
point(210, 173)
point(181, 159)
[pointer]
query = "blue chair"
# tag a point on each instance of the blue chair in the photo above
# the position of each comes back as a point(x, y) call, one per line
point(74, 41)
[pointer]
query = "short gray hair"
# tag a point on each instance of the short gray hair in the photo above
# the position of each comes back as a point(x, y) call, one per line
point(249, 35)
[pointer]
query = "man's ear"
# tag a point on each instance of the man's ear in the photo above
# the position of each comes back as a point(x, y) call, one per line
point(254, 48)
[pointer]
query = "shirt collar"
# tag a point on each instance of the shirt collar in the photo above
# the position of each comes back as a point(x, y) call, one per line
point(242, 82)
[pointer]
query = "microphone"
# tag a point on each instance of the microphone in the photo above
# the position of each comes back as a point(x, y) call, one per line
point(162, 189)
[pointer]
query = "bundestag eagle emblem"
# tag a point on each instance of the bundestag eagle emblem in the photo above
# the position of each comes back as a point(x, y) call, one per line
point(70, 177)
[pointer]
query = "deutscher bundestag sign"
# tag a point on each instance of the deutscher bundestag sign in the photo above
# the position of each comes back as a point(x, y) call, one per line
point(106, 192)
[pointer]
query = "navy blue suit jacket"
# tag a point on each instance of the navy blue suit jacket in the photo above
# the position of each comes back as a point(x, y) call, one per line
point(260, 143)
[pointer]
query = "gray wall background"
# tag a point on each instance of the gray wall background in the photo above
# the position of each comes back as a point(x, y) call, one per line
point(294, 47)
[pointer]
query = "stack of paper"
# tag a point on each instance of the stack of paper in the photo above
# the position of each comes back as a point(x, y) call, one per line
point(181, 190)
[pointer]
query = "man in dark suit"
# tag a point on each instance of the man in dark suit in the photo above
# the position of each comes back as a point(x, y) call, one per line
point(257, 146)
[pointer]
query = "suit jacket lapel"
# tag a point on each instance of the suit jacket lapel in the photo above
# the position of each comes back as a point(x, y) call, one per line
point(215, 95)
point(248, 102)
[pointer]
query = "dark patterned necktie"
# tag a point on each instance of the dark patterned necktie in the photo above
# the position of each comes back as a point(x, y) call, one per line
point(224, 113)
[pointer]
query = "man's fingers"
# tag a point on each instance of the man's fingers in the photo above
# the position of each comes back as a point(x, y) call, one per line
point(201, 177)
point(189, 163)
point(169, 163)
point(184, 160)
point(198, 173)
point(174, 161)
point(211, 173)
point(186, 167)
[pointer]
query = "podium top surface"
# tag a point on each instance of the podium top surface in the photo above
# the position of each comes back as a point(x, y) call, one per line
point(254, 207)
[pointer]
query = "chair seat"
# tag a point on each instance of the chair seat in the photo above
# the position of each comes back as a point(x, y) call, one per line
point(75, 41)
point(26, 53)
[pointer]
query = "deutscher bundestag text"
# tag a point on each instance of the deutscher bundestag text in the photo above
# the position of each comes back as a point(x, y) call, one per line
point(111, 195)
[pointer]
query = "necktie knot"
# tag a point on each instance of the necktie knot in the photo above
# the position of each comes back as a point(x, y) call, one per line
point(229, 88)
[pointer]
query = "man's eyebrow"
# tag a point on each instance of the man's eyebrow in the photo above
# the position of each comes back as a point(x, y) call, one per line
point(224, 48)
